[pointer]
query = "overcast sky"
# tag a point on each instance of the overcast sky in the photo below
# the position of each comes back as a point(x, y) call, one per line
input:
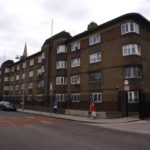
point(30, 20)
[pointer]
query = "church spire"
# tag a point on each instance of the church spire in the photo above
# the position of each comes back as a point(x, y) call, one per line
point(25, 51)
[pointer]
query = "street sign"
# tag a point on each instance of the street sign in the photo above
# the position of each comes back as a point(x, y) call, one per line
point(126, 88)
point(126, 82)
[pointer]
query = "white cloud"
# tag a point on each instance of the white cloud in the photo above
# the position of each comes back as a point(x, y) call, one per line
point(30, 20)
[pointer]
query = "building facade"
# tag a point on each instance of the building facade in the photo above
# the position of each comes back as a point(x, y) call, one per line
point(96, 65)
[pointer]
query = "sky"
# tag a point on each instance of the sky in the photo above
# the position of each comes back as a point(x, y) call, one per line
point(30, 21)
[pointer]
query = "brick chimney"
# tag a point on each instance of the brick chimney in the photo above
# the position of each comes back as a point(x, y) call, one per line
point(92, 25)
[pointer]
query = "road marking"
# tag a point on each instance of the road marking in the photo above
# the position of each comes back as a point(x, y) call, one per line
point(14, 122)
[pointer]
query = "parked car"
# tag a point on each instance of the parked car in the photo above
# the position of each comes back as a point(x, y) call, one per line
point(5, 105)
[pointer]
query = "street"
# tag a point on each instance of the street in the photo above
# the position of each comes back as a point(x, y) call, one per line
point(22, 131)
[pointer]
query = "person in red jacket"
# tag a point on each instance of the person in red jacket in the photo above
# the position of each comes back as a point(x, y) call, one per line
point(93, 110)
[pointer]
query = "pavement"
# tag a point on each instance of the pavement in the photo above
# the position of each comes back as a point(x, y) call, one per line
point(83, 119)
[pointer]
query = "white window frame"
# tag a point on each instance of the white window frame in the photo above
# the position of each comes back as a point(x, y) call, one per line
point(30, 85)
point(75, 97)
point(61, 49)
point(95, 57)
point(133, 96)
point(6, 79)
point(60, 97)
point(18, 67)
point(75, 46)
point(94, 39)
point(7, 70)
point(17, 77)
point(17, 87)
point(31, 74)
point(39, 71)
point(24, 65)
point(23, 75)
point(130, 27)
point(42, 69)
point(75, 79)
point(23, 86)
point(75, 62)
point(61, 64)
point(31, 62)
point(61, 80)
point(132, 72)
point(43, 55)
point(39, 59)
point(131, 49)
point(6, 88)
point(96, 97)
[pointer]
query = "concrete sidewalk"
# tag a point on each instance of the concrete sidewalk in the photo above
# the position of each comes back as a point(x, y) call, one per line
point(82, 119)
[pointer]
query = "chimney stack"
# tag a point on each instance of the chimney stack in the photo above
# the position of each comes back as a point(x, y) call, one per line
point(92, 25)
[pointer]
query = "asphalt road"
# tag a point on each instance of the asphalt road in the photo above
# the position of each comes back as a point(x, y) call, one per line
point(20, 131)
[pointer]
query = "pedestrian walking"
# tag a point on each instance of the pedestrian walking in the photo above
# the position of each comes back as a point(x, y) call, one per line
point(92, 110)
point(55, 106)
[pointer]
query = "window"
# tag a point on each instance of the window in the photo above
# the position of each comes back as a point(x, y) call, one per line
point(31, 74)
point(94, 39)
point(61, 80)
point(132, 72)
point(6, 88)
point(61, 49)
point(60, 97)
point(131, 49)
point(23, 75)
point(17, 87)
point(31, 62)
point(30, 85)
point(42, 69)
point(18, 67)
point(95, 76)
point(11, 78)
point(39, 71)
point(130, 27)
point(96, 97)
point(39, 59)
point(61, 64)
point(17, 77)
point(75, 79)
point(11, 88)
point(94, 58)
point(24, 65)
point(41, 84)
point(12, 69)
point(43, 55)
point(75, 97)
point(40, 97)
point(7, 70)
point(6, 79)
point(75, 46)
point(133, 97)
point(23, 86)
point(75, 62)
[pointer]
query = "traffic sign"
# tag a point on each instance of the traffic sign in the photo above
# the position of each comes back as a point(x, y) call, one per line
point(126, 82)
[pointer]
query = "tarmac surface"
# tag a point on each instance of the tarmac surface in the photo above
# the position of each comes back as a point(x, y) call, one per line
point(35, 131)
point(129, 124)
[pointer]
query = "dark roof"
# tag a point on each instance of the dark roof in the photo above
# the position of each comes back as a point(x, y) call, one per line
point(56, 36)
point(136, 16)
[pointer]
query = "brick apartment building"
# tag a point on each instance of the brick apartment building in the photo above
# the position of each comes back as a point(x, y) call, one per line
point(91, 66)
